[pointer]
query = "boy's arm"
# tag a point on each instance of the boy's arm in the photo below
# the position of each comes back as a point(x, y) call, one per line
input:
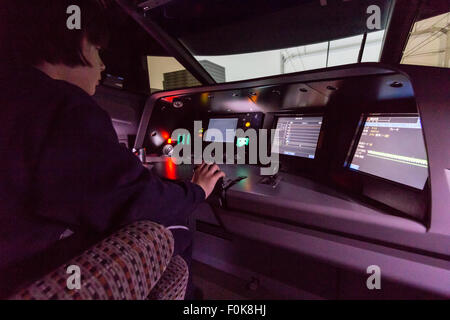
point(86, 179)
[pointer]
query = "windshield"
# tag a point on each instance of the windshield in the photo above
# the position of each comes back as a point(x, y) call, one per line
point(274, 62)
point(239, 40)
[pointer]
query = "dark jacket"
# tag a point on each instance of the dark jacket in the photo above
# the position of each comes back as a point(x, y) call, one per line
point(61, 167)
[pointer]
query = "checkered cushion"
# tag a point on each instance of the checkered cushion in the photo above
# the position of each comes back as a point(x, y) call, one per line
point(126, 265)
point(173, 283)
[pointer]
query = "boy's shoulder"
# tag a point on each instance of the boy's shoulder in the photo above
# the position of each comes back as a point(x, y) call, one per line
point(32, 80)
point(30, 86)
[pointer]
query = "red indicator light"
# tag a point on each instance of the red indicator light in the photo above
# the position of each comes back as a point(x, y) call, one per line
point(169, 99)
point(171, 169)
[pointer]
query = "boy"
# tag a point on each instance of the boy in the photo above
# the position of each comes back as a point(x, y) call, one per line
point(62, 170)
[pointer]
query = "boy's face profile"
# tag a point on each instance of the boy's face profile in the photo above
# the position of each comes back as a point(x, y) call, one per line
point(88, 77)
point(41, 37)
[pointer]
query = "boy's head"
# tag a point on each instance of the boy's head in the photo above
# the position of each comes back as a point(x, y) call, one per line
point(37, 34)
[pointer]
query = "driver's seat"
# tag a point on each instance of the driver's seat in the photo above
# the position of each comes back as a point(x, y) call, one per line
point(134, 263)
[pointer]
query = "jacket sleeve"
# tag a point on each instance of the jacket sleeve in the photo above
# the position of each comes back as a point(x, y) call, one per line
point(86, 179)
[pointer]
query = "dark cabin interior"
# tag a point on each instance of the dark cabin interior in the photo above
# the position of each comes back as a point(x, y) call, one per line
point(331, 209)
point(309, 234)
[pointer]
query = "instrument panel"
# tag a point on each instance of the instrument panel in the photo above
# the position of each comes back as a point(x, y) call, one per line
point(366, 143)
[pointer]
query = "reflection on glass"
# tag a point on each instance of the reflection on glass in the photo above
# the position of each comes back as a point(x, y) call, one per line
point(309, 57)
point(166, 73)
point(372, 49)
point(429, 43)
point(344, 51)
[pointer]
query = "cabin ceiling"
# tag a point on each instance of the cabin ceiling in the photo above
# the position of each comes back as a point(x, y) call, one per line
point(249, 26)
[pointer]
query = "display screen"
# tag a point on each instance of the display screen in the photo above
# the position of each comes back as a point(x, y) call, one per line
point(217, 130)
point(392, 147)
point(298, 136)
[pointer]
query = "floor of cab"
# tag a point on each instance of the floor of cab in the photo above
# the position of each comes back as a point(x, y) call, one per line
point(219, 285)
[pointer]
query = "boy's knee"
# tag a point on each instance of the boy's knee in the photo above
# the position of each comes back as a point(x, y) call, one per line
point(183, 240)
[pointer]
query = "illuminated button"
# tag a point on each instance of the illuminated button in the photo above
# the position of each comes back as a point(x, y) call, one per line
point(169, 140)
point(242, 142)
point(247, 124)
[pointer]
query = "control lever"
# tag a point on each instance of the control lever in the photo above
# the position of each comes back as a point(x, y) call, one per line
point(230, 182)
point(222, 185)
point(220, 192)
point(219, 187)
point(272, 181)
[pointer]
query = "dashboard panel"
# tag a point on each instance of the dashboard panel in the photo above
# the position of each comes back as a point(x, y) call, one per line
point(319, 142)
point(344, 106)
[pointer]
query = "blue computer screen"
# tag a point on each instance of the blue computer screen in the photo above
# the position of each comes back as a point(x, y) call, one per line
point(298, 136)
point(392, 147)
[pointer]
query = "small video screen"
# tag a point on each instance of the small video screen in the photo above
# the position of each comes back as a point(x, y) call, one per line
point(298, 136)
point(392, 147)
point(221, 125)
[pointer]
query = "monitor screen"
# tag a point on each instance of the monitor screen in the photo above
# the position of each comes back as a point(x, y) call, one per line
point(392, 147)
point(298, 136)
point(222, 125)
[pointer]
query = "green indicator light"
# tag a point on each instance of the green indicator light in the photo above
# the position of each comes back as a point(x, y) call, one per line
point(180, 139)
point(242, 142)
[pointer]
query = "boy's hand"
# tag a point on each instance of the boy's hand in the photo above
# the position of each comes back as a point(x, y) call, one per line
point(206, 176)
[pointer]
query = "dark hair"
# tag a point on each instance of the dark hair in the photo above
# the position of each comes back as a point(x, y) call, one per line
point(36, 31)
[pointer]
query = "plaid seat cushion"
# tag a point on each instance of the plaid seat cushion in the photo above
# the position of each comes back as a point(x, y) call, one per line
point(126, 265)
point(173, 283)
